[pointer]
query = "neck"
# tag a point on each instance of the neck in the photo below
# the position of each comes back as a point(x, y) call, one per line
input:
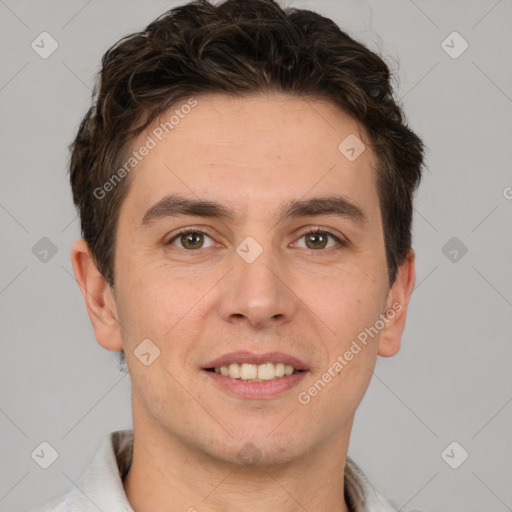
point(167, 471)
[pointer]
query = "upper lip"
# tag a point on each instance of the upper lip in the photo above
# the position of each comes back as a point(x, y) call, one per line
point(247, 357)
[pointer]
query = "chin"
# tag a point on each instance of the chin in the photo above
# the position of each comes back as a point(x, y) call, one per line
point(258, 449)
point(251, 455)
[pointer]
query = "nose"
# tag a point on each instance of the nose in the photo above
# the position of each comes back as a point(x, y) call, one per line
point(258, 293)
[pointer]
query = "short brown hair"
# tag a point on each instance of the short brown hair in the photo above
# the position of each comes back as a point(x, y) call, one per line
point(238, 47)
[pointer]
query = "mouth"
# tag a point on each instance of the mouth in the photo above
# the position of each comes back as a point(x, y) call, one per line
point(255, 372)
point(256, 376)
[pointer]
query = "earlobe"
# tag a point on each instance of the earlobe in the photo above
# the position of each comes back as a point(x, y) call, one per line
point(98, 297)
point(396, 307)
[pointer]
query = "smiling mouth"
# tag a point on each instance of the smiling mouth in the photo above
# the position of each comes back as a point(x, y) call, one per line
point(255, 372)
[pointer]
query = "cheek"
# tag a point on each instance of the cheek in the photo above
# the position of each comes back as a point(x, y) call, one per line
point(156, 305)
point(347, 301)
point(350, 309)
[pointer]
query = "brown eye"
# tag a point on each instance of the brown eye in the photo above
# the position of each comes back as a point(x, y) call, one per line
point(189, 240)
point(317, 240)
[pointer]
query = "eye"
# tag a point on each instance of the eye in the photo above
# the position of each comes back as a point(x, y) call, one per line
point(190, 239)
point(318, 239)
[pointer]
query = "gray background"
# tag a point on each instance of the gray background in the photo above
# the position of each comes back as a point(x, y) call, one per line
point(452, 379)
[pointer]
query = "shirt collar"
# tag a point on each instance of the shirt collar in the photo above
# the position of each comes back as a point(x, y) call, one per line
point(101, 485)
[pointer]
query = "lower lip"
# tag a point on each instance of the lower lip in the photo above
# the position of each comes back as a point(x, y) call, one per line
point(257, 390)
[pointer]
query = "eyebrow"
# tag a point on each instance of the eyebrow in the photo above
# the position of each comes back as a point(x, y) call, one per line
point(175, 205)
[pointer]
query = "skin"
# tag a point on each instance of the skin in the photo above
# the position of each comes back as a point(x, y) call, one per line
point(252, 155)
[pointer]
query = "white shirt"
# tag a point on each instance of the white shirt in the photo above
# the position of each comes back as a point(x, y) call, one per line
point(101, 485)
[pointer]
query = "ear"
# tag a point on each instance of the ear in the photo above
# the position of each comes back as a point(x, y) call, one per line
point(98, 296)
point(396, 307)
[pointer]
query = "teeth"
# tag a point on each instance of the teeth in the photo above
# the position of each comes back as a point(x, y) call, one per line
point(266, 371)
point(234, 371)
point(279, 369)
point(247, 371)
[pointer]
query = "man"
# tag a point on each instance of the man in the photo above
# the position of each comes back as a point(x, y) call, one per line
point(245, 184)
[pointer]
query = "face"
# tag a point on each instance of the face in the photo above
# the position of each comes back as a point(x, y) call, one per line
point(246, 279)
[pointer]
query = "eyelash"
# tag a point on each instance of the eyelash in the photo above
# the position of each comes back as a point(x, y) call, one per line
point(187, 231)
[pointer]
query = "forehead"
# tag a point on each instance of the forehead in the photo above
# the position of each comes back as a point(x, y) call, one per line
point(251, 152)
